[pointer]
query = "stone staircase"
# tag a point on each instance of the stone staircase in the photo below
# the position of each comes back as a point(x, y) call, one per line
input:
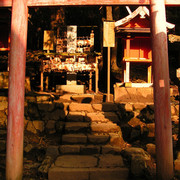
point(87, 151)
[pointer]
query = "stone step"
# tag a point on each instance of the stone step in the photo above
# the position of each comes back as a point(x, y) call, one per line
point(57, 173)
point(76, 116)
point(89, 149)
point(77, 127)
point(108, 127)
point(106, 167)
point(80, 149)
point(74, 138)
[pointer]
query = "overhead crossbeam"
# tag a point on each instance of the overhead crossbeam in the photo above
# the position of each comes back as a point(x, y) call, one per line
point(34, 3)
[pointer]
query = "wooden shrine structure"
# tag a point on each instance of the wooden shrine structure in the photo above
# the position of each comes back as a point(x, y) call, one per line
point(134, 32)
point(15, 127)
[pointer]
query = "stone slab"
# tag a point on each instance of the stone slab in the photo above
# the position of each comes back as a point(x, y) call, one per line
point(98, 139)
point(96, 117)
point(56, 173)
point(77, 89)
point(77, 126)
point(78, 107)
point(123, 94)
point(109, 160)
point(69, 149)
point(74, 138)
point(105, 127)
point(108, 149)
point(106, 107)
point(76, 161)
point(90, 149)
point(76, 116)
point(109, 174)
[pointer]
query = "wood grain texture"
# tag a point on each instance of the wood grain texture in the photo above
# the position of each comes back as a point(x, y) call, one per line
point(31, 3)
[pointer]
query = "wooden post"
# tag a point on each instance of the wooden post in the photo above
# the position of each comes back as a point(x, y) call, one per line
point(108, 74)
point(97, 75)
point(90, 81)
point(149, 74)
point(42, 81)
point(47, 83)
point(163, 127)
point(15, 125)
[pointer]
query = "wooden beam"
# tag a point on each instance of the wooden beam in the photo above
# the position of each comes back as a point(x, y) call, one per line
point(31, 3)
point(163, 124)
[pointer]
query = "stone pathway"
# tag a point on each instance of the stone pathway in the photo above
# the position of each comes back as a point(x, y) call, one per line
point(85, 151)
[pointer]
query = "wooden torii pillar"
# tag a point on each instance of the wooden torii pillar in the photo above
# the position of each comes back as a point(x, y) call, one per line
point(15, 127)
point(163, 127)
point(14, 154)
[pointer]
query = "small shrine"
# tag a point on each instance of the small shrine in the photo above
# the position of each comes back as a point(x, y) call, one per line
point(134, 32)
point(71, 58)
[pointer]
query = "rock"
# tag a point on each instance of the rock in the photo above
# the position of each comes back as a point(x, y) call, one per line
point(74, 138)
point(50, 127)
point(28, 148)
point(77, 127)
point(89, 149)
point(32, 111)
point(109, 149)
point(128, 107)
point(138, 159)
point(135, 133)
point(173, 110)
point(136, 122)
point(2, 145)
point(30, 99)
point(126, 131)
point(52, 151)
point(177, 108)
point(69, 149)
point(46, 164)
point(35, 126)
point(151, 149)
point(151, 128)
point(3, 118)
point(139, 165)
point(62, 105)
point(76, 116)
point(39, 125)
point(104, 127)
point(47, 107)
point(111, 116)
point(96, 117)
point(59, 126)
point(117, 140)
point(139, 106)
point(43, 98)
point(27, 84)
point(110, 160)
point(147, 115)
point(97, 139)
point(177, 165)
point(76, 107)
point(4, 105)
point(132, 151)
point(57, 114)
point(106, 107)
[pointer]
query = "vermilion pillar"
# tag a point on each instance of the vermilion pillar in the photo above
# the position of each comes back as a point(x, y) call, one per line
point(15, 127)
point(163, 127)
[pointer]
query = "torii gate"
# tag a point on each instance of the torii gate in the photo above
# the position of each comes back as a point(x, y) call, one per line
point(14, 154)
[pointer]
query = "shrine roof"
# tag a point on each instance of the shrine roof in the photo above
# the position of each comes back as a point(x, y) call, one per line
point(143, 12)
